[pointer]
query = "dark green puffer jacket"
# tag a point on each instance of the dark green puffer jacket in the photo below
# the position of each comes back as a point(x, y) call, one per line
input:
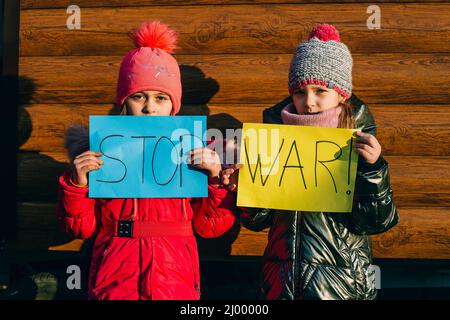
point(326, 255)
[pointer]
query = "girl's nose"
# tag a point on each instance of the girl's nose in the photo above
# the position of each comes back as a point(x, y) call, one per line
point(310, 102)
point(149, 108)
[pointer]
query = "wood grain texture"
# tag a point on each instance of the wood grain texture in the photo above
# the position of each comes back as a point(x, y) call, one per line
point(422, 233)
point(417, 181)
point(234, 57)
point(402, 129)
point(270, 28)
point(38, 4)
point(37, 229)
point(230, 78)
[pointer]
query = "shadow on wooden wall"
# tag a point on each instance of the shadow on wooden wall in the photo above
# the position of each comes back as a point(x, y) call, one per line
point(37, 230)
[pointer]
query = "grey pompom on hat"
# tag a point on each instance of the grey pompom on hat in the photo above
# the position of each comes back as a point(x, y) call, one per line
point(322, 60)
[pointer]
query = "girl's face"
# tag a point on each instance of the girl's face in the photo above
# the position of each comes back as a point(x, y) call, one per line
point(315, 99)
point(148, 103)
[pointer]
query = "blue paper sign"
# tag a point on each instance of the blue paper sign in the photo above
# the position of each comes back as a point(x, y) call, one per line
point(146, 157)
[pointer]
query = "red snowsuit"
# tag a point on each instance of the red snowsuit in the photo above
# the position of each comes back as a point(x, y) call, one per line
point(160, 266)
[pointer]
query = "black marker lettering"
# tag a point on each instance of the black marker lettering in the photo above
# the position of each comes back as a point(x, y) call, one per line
point(293, 145)
point(322, 162)
point(181, 162)
point(143, 152)
point(193, 135)
point(153, 162)
point(181, 153)
point(258, 164)
point(101, 150)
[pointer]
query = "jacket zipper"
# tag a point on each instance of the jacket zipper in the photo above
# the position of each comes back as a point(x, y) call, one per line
point(298, 256)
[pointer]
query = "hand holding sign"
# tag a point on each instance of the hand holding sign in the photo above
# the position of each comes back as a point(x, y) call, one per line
point(146, 157)
point(230, 176)
point(368, 147)
point(298, 168)
point(206, 159)
point(83, 163)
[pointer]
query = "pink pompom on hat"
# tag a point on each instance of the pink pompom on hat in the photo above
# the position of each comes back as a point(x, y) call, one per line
point(151, 66)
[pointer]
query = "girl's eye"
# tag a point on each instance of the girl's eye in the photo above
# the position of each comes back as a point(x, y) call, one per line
point(161, 98)
point(321, 91)
point(299, 92)
point(138, 97)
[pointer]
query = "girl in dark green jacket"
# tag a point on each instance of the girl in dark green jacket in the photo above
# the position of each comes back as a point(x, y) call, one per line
point(325, 255)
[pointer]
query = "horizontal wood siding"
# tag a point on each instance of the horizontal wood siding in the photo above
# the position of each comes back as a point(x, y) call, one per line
point(234, 57)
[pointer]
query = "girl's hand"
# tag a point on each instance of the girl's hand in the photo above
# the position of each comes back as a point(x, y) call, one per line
point(230, 176)
point(367, 147)
point(83, 163)
point(206, 159)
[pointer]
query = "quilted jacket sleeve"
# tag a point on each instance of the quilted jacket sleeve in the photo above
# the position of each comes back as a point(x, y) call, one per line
point(374, 210)
point(75, 211)
point(214, 215)
point(255, 219)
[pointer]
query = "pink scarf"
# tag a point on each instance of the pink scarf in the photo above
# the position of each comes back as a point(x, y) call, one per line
point(326, 119)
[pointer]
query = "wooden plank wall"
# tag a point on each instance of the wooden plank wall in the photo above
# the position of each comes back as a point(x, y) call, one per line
point(235, 57)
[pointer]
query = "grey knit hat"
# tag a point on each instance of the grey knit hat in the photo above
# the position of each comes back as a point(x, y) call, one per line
point(322, 60)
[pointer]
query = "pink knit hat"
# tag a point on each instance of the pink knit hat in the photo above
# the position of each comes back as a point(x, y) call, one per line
point(151, 66)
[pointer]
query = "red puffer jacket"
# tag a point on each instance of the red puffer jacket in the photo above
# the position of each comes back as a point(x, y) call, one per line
point(160, 266)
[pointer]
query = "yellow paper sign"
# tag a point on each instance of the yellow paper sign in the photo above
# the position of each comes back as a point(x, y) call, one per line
point(297, 168)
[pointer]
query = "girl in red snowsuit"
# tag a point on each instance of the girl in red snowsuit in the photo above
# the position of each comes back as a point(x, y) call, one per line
point(160, 260)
